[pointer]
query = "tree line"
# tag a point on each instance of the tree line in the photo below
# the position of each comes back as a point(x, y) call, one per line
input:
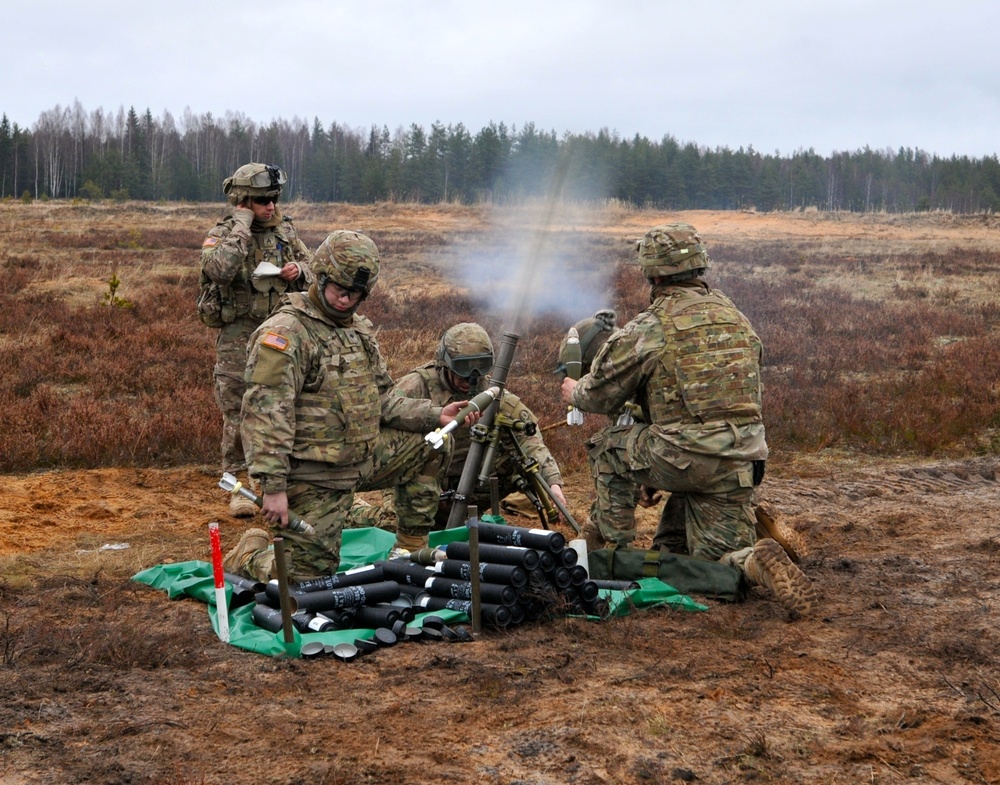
point(72, 154)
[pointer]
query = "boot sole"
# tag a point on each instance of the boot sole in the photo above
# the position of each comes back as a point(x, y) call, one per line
point(790, 585)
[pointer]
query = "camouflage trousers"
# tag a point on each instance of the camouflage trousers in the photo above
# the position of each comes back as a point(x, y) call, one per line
point(403, 461)
point(709, 512)
point(230, 365)
point(383, 515)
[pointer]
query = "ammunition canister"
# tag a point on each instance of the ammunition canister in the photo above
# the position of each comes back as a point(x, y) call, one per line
point(495, 615)
point(541, 539)
point(370, 573)
point(495, 554)
point(347, 597)
point(462, 590)
point(509, 574)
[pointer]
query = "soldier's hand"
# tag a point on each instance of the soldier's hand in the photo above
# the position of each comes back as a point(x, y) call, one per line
point(567, 389)
point(449, 412)
point(649, 497)
point(290, 272)
point(243, 215)
point(558, 495)
point(275, 508)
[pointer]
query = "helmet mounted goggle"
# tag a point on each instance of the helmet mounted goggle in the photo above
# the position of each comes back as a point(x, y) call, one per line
point(468, 365)
point(269, 177)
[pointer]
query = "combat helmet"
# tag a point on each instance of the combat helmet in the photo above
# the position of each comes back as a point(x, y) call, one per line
point(465, 350)
point(254, 180)
point(351, 261)
point(672, 250)
point(593, 333)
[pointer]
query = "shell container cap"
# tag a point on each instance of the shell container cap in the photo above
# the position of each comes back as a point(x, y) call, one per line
point(672, 249)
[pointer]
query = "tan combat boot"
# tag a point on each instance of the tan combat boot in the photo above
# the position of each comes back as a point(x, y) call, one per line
point(769, 525)
point(407, 543)
point(768, 565)
point(239, 505)
point(251, 543)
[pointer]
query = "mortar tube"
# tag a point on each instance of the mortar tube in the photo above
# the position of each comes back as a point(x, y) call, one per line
point(466, 483)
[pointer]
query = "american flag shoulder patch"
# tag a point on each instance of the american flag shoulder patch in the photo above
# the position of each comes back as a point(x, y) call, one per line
point(209, 242)
point(275, 341)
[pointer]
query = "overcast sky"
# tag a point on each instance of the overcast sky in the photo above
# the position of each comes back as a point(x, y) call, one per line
point(780, 75)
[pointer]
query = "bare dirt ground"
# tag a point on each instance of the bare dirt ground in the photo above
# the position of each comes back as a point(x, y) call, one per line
point(895, 679)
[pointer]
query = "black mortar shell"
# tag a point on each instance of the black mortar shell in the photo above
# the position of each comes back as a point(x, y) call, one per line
point(569, 557)
point(347, 597)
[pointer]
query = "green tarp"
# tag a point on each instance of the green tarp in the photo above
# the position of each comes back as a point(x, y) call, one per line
point(359, 547)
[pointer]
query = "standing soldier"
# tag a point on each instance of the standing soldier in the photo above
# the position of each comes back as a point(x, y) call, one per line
point(248, 260)
point(320, 421)
point(692, 361)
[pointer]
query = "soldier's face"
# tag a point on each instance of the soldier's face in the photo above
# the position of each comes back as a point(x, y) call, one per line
point(340, 299)
point(458, 383)
point(262, 212)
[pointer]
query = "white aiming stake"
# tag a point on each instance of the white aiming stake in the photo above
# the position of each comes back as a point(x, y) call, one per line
point(221, 606)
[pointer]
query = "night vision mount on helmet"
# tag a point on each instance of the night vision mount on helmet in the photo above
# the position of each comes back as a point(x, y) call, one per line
point(253, 180)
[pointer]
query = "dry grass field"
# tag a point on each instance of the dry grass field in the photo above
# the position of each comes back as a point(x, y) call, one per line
point(882, 383)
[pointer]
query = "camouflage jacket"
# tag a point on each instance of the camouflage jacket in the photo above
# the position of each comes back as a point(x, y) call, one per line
point(426, 382)
point(692, 361)
point(231, 253)
point(317, 394)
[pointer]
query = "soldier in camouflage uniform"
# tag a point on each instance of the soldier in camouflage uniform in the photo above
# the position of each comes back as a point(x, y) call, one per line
point(692, 361)
point(460, 370)
point(236, 300)
point(319, 421)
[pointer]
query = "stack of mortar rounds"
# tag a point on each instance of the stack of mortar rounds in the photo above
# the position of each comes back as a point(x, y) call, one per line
point(525, 575)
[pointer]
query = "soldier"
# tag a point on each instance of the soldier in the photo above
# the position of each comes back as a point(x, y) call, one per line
point(319, 421)
point(692, 361)
point(237, 294)
point(460, 369)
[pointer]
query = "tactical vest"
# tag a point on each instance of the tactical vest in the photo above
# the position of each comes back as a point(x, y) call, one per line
point(246, 296)
point(709, 369)
point(337, 412)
